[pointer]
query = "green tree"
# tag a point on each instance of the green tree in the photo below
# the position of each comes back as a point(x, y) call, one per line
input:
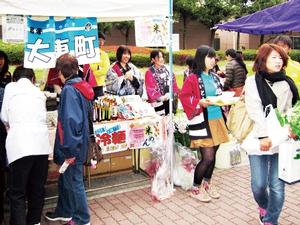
point(257, 5)
point(184, 10)
point(211, 12)
point(124, 27)
point(245, 7)
point(240, 8)
point(105, 27)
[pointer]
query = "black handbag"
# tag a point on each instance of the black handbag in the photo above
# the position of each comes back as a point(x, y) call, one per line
point(94, 150)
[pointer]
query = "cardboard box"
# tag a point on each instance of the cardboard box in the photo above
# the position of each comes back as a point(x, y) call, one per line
point(102, 167)
point(121, 163)
point(122, 153)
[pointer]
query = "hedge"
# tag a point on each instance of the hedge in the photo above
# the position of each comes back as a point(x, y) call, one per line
point(15, 54)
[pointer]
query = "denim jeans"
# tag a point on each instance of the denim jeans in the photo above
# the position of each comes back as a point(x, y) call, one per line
point(72, 201)
point(264, 175)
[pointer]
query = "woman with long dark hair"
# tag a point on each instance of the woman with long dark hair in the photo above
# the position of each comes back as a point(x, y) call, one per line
point(207, 128)
point(236, 72)
point(157, 83)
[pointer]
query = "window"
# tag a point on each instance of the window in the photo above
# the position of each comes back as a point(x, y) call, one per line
point(296, 42)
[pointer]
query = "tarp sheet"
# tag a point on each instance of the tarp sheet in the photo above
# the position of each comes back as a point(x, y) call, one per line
point(281, 18)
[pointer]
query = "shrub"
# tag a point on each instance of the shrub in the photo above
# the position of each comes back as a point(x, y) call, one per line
point(295, 55)
point(15, 52)
point(249, 54)
point(140, 56)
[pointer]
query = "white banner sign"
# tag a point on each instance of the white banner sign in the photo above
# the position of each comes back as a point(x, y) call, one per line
point(13, 28)
point(151, 32)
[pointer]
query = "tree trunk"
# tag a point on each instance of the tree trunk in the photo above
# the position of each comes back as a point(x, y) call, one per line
point(127, 35)
point(261, 41)
point(184, 18)
point(238, 40)
point(212, 37)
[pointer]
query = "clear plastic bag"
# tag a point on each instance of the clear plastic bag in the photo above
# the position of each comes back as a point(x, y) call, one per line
point(162, 185)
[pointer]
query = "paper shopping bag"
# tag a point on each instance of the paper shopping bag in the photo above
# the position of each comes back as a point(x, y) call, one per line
point(288, 164)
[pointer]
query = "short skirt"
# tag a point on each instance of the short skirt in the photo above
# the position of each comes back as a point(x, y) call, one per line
point(219, 135)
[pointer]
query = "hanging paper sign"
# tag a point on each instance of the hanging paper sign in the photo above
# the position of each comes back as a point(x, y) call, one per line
point(39, 45)
point(13, 28)
point(112, 137)
point(61, 37)
point(145, 133)
point(151, 32)
point(83, 41)
point(47, 40)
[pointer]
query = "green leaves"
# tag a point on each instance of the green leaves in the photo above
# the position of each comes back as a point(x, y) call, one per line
point(292, 118)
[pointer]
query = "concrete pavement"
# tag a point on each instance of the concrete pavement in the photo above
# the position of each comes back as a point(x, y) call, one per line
point(235, 207)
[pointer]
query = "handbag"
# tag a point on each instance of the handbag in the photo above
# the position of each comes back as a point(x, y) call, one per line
point(238, 122)
point(276, 133)
point(288, 162)
point(94, 154)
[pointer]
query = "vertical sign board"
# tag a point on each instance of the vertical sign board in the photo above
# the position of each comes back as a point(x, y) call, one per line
point(151, 32)
point(47, 40)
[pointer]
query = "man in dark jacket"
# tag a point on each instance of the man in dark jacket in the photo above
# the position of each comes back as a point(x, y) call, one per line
point(71, 143)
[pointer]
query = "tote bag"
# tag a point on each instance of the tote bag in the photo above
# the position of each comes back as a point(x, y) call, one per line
point(238, 122)
point(288, 164)
point(276, 133)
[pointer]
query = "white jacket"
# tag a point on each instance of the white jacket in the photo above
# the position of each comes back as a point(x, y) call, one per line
point(24, 111)
point(255, 110)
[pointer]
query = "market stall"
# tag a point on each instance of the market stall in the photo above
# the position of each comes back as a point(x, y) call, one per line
point(136, 129)
point(108, 10)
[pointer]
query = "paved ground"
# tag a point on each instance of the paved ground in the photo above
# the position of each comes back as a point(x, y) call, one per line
point(236, 206)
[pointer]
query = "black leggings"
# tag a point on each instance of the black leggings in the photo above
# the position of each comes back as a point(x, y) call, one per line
point(205, 167)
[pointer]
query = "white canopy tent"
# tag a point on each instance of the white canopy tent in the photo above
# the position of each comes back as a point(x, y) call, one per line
point(105, 11)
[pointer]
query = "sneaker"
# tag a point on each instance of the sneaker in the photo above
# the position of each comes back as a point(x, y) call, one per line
point(71, 222)
point(262, 213)
point(53, 217)
point(212, 191)
point(200, 194)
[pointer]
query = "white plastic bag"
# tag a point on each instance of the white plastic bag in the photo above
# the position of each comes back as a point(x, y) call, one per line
point(276, 133)
point(184, 167)
point(288, 166)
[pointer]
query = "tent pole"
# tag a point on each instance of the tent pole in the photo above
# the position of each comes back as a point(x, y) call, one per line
point(170, 138)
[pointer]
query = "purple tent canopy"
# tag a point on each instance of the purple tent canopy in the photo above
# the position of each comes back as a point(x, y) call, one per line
point(280, 18)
